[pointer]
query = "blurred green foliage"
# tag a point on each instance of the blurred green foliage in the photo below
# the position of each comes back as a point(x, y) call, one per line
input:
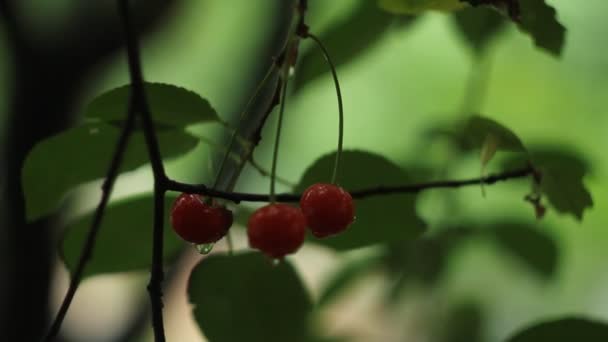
point(399, 81)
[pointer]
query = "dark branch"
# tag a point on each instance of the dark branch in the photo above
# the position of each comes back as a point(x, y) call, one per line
point(87, 249)
point(160, 178)
point(238, 197)
point(156, 272)
point(137, 82)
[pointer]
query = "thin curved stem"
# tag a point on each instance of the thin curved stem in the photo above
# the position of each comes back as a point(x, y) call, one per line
point(275, 154)
point(334, 75)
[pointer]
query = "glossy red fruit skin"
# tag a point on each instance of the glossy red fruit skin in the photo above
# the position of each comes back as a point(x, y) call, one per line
point(276, 230)
point(328, 209)
point(198, 222)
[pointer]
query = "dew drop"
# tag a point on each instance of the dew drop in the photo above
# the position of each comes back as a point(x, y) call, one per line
point(205, 248)
point(276, 262)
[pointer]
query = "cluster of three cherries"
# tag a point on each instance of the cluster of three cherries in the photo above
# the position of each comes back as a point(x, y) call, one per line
point(275, 229)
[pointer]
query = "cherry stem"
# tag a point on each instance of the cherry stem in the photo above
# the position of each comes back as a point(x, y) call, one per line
point(334, 75)
point(275, 155)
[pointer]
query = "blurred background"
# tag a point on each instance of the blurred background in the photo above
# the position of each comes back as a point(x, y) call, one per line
point(411, 80)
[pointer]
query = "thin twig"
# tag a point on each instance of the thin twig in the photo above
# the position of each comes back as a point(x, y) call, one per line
point(334, 74)
point(277, 139)
point(238, 197)
point(160, 178)
point(87, 248)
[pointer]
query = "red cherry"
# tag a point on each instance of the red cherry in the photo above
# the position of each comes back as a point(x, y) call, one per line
point(276, 230)
point(328, 209)
point(198, 222)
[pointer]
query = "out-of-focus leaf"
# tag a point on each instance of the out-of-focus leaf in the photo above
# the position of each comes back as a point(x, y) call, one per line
point(510, 8)
point(488, 150)
point(477, 129)
point(540, 21)
point(379, 219)
point(344, 41)
point(422, 260)
point(564, 330)
point(478, 26)
point(170, 105)
point(534, 17)
point(346, 276)
point(562, 175)
point(562, 183)
point(124, 242)
point(82, 154)
point(245, 298)
point(463, 324)
point(419, 6)
point(530, 245)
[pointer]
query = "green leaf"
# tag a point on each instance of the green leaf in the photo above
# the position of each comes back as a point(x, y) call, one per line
point(535, 248)
point(124, 242)
point(82, 154)
point(245, 298)
point(534, 17)
point(478, 26)
point(562, 182)
point(477, 129)
point(419, 6)
point(569, 329)
point(562, 174)
point(463, 324)
point(540, 21)
point(367, 23)
point(170, 105)
point(488, 149)
point(422, 260)
point(344, 277)
point(379, 219)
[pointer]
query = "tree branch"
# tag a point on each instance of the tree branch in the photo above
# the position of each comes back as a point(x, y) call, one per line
point(160, 178)
point(87, 249)
point(238, 197)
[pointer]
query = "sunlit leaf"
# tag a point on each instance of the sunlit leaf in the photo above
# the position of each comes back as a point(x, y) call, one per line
point(379, 219)
point(170, 105)
point(124, 242)
point(245, 298)
point(564, 330)
point(367, 23)
point(82, 154)
point(419, 6)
